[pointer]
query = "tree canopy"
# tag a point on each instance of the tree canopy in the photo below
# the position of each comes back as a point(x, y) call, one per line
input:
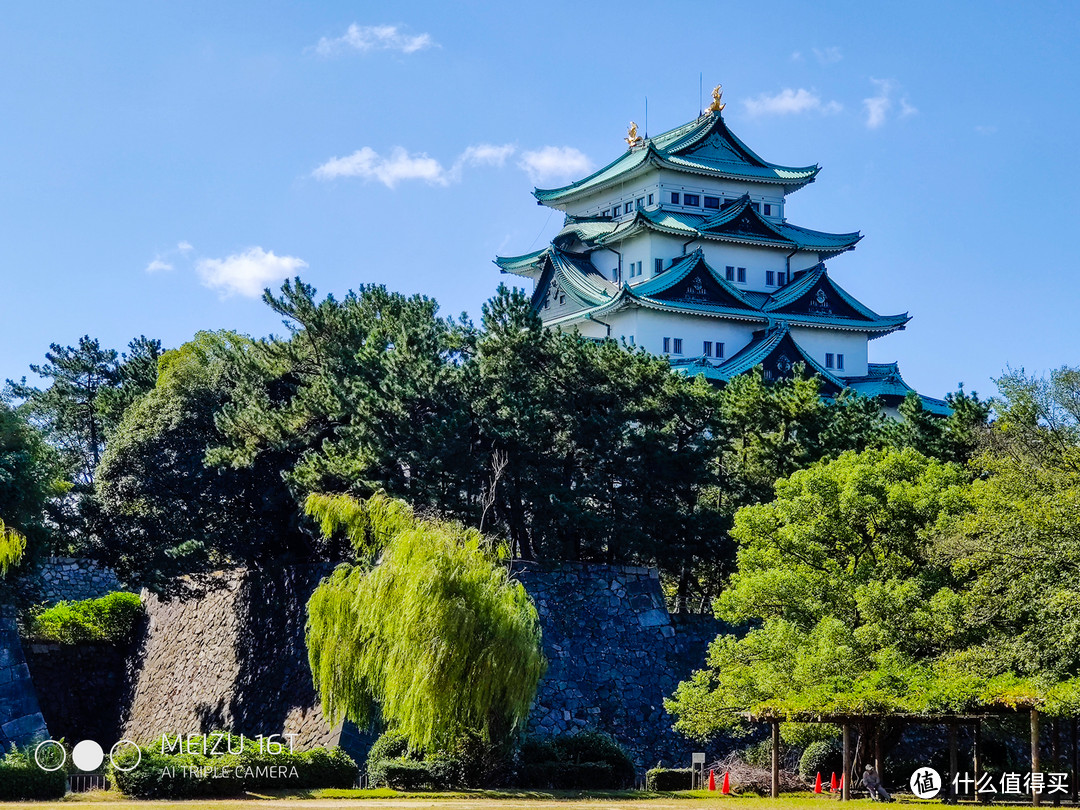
point(435, 639)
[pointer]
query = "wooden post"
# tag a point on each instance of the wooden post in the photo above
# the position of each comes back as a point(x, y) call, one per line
point(1055, 753)
point(975, 754)
point(1075, 763)
point(846, 792)
point(877, 748)
point(776, 759)
point(951, 791)
point(1034, 751)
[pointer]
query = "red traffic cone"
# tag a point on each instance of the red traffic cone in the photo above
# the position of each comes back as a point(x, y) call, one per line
point(726, 787)
point(817, 783)
point(832, 783)
point(842, 783)
point(712, 779)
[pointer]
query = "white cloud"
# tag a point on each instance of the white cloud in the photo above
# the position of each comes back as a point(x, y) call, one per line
point(789, 102)
point(365, 38)
point(391, 170)
point(247, 273)
point(879, 106)
point(402, 165)
point(184, 247)
point(828, 56)
point(797, 56)
point(554, 163)
point(158, 265)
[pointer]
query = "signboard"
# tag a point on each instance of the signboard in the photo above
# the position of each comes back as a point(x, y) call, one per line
point(698, 758)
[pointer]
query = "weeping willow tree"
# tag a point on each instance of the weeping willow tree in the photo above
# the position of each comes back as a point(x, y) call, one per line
point(435, 639)
point(12, 547)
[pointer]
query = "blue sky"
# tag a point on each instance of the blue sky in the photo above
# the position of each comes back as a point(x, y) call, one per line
point(160, 163)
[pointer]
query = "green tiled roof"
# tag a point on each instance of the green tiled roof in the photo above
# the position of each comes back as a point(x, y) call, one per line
point(883, 380)
point(705, 146)
point(520, 265)
point(602, 296)
point(736, 222)
point(807, 280)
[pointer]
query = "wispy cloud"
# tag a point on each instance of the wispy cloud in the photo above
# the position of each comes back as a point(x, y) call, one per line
point(828, 56)
point(159, 265)
point(880, 106)
point(162, 262)
point(247, 273)
point(401, 165)
point(789, 102)
point(366, 38)
point(986, 129)
point(550, 164)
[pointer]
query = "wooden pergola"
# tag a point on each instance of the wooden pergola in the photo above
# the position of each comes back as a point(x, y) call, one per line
point(951, 721)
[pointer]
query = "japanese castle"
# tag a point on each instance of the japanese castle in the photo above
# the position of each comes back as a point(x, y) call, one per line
point(681, 246)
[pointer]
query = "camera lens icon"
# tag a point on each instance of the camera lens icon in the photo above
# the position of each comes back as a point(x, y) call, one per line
point(87, 756)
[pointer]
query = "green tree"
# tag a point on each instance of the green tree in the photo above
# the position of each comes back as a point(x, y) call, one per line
point(29, 473)
point(166, 512)
point(435, 639)
point(838, 580)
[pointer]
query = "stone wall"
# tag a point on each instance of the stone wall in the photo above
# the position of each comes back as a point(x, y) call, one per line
point(80, 688)
point(21, 721)
point(69, 579)
point(613, 655)
point(231, 655)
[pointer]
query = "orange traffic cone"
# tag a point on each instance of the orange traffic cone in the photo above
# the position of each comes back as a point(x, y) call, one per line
point(726, 787)
point(712, 779)
point(842, 783)
point(832, 783)
point(817, 783)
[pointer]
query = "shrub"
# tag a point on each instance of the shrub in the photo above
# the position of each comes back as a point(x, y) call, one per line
point(22, 780)
point(667, 779)
point(823, 756)
point(589, 759)
point(407, 774)
point(387, 749)
point(170, 776)
point(111, 618)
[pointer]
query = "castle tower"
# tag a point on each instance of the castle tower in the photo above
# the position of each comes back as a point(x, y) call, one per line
point(682, 246)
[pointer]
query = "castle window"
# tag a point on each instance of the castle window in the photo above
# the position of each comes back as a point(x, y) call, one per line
point(770, 278)
point(828, 359)
point(742, 275)
point(781, 279)
point(640, 203)
point(840, 362)
point(757, 207)
point(658, 266)
point(708, 348)
point(691, 199)
point(615, 211)
point(667, 345)
point(768, 210)
point(720, 350)
point(607, 213)
point(675, 198)
point(629, 206)
point(729, 272)
point(712, 202)
point(650, 199)
point(562, 299)
point(677, 346)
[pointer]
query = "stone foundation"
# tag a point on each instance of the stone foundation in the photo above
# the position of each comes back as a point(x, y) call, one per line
point(21, 721)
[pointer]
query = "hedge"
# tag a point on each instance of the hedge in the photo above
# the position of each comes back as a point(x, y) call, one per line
point(22, 781)
point(668, 779)
point(111, 618)
point(586, 760)
point(169, 776)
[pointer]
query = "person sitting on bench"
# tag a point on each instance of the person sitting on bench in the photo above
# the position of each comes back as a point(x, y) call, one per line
point(872, 782)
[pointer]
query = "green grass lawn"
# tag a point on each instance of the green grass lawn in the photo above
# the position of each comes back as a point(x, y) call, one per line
point(451, 800)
